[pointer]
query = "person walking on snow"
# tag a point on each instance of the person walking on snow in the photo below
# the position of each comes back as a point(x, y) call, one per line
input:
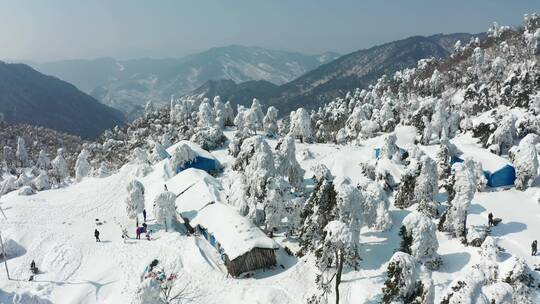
point(165, 185)
point(534, 247)
point(144, 215)
point(490, 220)
point(125, 235)
point(96, 234)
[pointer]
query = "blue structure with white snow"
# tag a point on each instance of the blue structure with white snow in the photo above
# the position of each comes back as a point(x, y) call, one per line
point(201, 162)
point(503, 176)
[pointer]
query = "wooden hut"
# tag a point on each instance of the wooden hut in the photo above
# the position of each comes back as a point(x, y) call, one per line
point(242, 245)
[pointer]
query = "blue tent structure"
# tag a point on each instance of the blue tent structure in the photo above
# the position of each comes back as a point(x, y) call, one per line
point(504, 176)
point(201, 162)
point(203, 159)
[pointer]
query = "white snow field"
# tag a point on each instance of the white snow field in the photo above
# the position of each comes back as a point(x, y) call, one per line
point(56, 229)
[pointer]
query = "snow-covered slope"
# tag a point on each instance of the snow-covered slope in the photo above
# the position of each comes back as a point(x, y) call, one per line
point(55, 228)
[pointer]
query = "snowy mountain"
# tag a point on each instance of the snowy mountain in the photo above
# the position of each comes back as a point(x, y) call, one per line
point(330, 80)
point(27, 96)
point(128, 84)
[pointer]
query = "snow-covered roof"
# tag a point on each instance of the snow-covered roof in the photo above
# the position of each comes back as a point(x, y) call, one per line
point(236, 234)
point(469, 148)
point(196, 148)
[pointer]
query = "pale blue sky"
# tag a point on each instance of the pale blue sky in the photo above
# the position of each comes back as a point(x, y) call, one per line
point(62, 29)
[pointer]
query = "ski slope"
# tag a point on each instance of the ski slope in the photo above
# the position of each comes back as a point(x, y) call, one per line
point(56, 227)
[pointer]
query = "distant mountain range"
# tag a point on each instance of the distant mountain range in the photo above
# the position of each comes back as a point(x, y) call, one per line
point(128, 84)
point(355, 70)
point(27, 96)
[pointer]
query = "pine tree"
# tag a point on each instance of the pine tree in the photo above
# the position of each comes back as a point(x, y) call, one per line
point(270, 122)
point(22, 154)
point(135, 200)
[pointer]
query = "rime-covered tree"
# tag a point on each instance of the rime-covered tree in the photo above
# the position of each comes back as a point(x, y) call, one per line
point(405, 195)
point(455, 217)
point(444, 168)
point(526, 161)
point(59, 166)
point(41, 182)
point(82, 166)
point(421, 231)
point(257, 115)
point(205, 116)
point(165, 209)
point(375, 207)
point(427, 186)
point(275, 206)
point(228, 114)
point(134, 200)
point(407, 282)
point(300, 125)
point(22, 154)
point(149, 108)
point(270, 122)
point(287, 165)
point(389, 148)
point(43, 161)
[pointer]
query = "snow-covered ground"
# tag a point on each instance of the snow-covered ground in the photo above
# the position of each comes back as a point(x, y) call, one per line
point(55, 228)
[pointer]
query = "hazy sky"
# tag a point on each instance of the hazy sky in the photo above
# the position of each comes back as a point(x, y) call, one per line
point(62, 29)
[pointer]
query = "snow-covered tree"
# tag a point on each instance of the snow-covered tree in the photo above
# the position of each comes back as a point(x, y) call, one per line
point(375, 207)
point(275, 203)
point(389, 148)
point(205, 115)
point(228, 114)
point(287, 165)
point(219, 112)
point(477, 171)
point(405, 196)
point(165, 209)
point(340, 247)
point(428, 131)
point(22, 154)
point(422, 233)
point(149, 108)
point(257, 115)
point(82, 166)
point(526, 161)
point(41, 182)
point(503, 137)
point(455, 217)
point(43, 161)
point(270, 122)
point(60, 166)
point(8, 157)
point(444, 168)
point(182, 155)
point(300, 125)
point(427, 186)
point(134, 200)
point(407, 282)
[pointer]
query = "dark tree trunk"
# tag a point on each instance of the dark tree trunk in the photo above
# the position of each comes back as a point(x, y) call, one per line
point(339, 271)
